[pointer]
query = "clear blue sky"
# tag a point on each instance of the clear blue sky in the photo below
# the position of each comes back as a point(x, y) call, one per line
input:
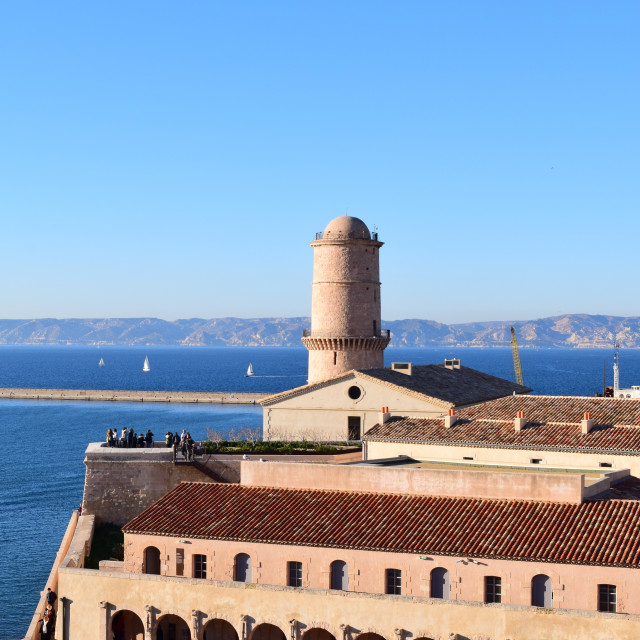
point(175, 159)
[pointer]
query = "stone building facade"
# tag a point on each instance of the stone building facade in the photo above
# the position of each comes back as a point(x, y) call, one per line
point(346, 330)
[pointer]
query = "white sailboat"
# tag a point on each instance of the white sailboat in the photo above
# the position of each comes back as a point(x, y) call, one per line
point(101, 363)
point(249, 371)
point(145, 366)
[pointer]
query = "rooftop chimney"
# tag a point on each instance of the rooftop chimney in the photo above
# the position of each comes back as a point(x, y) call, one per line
point(520, 421)
point(453, 363)
point(402, 367)
point(450, 419)
point(586, 422)
point(384, 415)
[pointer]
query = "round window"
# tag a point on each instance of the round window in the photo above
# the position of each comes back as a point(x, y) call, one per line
point(354, 392)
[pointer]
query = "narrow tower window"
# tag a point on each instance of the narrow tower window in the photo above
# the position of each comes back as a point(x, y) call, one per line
point(375, 328)
point(335, 357)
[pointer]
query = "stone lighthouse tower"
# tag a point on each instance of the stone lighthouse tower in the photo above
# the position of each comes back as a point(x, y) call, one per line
point(345, 306)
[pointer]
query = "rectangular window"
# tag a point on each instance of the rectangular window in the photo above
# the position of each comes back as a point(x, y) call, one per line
point(492, 589)
point(394, 581)
point(536, 460)
point(179, 562)
point(295, 574)
point(607, 600)
point(606, 464)
point(199, 566)
point(467, 457)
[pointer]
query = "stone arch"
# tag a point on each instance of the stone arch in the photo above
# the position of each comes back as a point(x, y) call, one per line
point(151, 561)
point(267, 631)
point(126, 625)
point(170, 626)
point(219, 629)
point(317, 633)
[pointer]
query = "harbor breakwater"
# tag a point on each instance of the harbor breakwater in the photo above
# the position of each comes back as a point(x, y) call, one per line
point(109, 395)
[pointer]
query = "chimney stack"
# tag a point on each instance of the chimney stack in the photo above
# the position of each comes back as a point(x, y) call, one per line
point(586, 422)
point(519, 421)
point(384, 415)
point(450, 419)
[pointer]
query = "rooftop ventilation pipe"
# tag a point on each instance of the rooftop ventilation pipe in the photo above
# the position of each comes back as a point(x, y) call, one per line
point(450, 419)
point(586, 423)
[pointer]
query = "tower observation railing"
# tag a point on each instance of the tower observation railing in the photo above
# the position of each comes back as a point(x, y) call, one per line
point(383, 333)
point(351, 235)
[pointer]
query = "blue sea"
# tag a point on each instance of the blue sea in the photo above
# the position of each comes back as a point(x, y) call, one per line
point(42, 475)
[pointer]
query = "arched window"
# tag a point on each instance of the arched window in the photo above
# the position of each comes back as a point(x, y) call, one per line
point(242, 568)
point(440, 583)
point(542, 591)
point(339, 575)
point(152, 561)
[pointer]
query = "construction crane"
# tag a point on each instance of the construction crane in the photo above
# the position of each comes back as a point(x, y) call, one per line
point(516, 357)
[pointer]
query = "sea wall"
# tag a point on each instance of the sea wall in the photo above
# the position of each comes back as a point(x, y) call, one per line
point(111, 395)
point(33, 632)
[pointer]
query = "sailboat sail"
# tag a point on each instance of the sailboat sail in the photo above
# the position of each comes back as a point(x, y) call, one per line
point(145, 366)
point(249, 370)
point(101, 363)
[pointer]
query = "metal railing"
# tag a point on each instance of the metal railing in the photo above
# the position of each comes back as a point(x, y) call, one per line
point(384, 333)
point(352, 234)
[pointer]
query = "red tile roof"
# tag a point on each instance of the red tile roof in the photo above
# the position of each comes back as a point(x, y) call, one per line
point(597, 532)
point(553, 423)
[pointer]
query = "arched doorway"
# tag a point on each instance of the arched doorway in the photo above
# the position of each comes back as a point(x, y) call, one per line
point(152, 561)
point(172, 627)
point(440, 583)
point(339, 575)
point(266, 631)
point(219, 630)
point(315, 633)
point(126, 625)
point(542, 591)
point(242, 569)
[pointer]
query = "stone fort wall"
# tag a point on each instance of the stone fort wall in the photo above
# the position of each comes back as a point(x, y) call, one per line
point(120, 483)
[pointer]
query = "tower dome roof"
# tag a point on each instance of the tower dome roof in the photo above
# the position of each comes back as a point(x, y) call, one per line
point(347, 227)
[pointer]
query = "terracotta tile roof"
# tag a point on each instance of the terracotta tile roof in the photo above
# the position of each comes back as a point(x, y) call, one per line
point(596, 532)
point(560, 409)
point(447, 387)
point(553, 423)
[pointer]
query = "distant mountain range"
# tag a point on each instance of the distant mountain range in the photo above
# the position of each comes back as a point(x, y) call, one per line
point(576, 330)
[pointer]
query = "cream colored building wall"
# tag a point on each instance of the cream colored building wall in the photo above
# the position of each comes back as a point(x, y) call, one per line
point(94, 597)
point(435, 482)
point(450, 453)
point(322, 413)
point(574, 586)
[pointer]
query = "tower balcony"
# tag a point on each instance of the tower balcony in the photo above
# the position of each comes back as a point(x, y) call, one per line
point(346, 343)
